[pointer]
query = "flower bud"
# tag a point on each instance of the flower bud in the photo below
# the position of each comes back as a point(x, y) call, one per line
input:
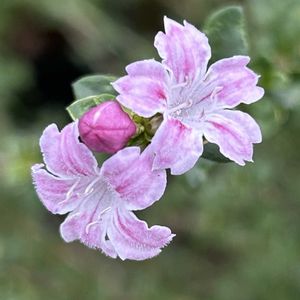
point(106, 127)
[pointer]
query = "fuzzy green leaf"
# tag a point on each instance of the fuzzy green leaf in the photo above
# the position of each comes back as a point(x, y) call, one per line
point(211, 152)
point(93, 85)
point(226, 33)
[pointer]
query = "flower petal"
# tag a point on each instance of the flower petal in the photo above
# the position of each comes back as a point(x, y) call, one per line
point(58, 195)
point(247, 122)
point(131, 175)
point(143, 90)
point(176, 146)
point(236, 82)
point(64, 155)
point(133, 239)
point(88, 223)
point(232, 137)
point(184, 50)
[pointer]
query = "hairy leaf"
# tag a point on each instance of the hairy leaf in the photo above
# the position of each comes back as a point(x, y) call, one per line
point(93, 85)
point(226, 32)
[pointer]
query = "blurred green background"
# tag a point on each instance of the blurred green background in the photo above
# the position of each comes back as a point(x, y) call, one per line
point(237, 227)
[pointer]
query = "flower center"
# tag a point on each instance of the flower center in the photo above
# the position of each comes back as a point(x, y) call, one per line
point(177, 109)
point(189, 102)
point(101, 201)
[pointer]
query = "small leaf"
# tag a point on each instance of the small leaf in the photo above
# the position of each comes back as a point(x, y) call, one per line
point(93, 85)
point(226, 33)
point(79, 107)
point(211, 152)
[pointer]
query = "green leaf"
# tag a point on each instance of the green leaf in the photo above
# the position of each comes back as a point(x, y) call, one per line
point(226, 33)
point(93, 85)
point(79, 107)
point(211, 152)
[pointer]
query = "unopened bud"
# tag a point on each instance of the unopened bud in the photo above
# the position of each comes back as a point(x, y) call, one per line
point(106, 127)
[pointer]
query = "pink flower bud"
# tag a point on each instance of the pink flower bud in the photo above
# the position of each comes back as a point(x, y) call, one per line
point(106, 127)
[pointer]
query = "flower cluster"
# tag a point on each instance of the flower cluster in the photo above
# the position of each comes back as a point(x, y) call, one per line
point(194, 104)
point(100, 201)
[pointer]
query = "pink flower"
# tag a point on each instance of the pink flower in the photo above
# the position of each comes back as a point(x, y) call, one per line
point(194, 101)
point(106, 127)
point(100, 200)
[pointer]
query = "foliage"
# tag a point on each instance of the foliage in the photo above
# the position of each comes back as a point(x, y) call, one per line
point(226, 33)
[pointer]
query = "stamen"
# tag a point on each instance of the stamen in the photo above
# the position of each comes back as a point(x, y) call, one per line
point(216, 91)
point(179, 85)
point(70, 191)
point(88, 226)
point(177, 109)
point(213, 97)
point(105, 210)
point(89, 189)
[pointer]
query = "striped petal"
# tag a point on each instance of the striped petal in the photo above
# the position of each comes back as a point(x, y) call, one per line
point(176, 146)
point(131, 175)
point(144, 89)
point(184, 50)
point(230, 131)
point(236, 83)
point(133, 239)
